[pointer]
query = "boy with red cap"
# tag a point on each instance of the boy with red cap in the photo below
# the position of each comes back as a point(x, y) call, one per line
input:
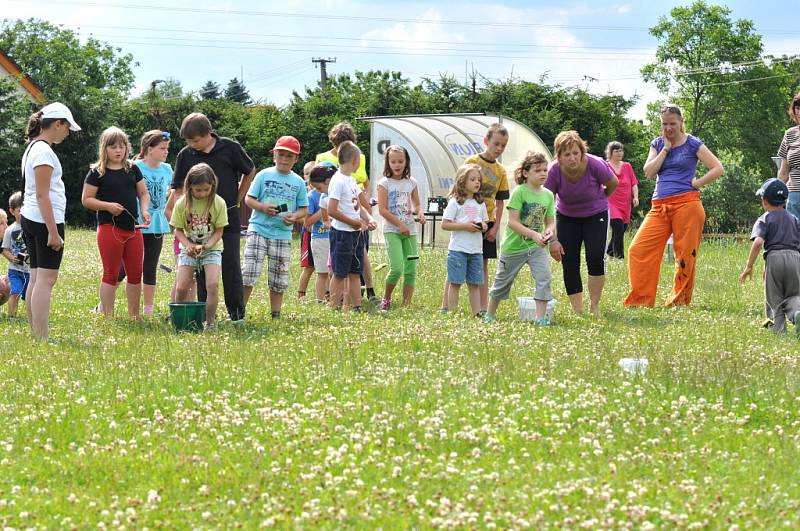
point(279, 199)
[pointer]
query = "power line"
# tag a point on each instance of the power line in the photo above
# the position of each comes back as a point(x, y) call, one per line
point(739, 81)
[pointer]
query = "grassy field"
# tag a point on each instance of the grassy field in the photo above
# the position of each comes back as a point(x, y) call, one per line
point(410, 419)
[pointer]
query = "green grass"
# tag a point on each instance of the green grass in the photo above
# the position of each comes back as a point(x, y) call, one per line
point(411, 419)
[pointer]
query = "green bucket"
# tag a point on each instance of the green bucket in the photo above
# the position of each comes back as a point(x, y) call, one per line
point(187, 316)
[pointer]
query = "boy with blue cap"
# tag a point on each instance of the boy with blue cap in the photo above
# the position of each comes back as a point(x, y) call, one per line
point(778, 232)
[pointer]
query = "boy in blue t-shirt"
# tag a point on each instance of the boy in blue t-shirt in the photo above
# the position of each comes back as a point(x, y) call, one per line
point(279, 199)
point(15, 251)
point(778, 232)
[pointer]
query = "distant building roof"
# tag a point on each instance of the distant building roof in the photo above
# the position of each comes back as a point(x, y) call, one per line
point(28, 85)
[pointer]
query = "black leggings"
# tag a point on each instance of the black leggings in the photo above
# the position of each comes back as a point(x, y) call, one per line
point(616, 247)
point(573, 233)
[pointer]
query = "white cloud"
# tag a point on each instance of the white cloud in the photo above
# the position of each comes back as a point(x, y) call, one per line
point(623, 9)
point(415, 36)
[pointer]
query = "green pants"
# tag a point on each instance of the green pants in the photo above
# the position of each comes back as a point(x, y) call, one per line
point(403, 257)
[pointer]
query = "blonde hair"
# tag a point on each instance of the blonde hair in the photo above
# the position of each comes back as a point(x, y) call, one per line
point(113, 136)
point(200, 173)
point(530, 159)
point(565, 140)
point(459, 188)
point(496, 128)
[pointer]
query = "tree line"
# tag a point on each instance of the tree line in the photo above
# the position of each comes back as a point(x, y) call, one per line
point(734, 97)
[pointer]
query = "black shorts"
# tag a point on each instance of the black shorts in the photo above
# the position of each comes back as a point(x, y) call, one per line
point(40, 255)
point(347, 253)
point(489, 248)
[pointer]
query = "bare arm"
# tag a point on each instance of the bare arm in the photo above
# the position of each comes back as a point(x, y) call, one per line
point(654, 161)
point(90, 201)
point(783, 172)
point(491, 234)
point(313, 218)
point(42, 175)
point(174, 195)
point(244, 185)
point(710, 161)
point(335, 213)
point(449, 224)
point(635, 195)
point(214, 239)
point(758, 243)
point(144, 201)
point(255, 204)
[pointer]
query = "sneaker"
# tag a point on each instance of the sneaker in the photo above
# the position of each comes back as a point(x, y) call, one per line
point(443, 310)
point(482, 312)
point(275, 315)
point(238, 323)
point(385, 304)
point(489, 318)
point(544, 321)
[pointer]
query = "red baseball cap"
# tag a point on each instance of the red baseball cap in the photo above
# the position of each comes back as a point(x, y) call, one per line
point(288, 143)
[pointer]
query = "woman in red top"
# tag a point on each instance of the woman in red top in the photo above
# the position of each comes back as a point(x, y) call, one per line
point(619, 203)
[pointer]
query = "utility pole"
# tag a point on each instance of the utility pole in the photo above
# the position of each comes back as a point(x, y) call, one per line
point(323, 73)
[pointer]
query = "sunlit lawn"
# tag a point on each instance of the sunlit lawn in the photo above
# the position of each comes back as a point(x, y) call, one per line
point(409, 419)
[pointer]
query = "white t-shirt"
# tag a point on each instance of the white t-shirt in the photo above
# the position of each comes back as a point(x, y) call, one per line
point(41, 154)
point(345, 189)
point(399, 192)
point(469, 212)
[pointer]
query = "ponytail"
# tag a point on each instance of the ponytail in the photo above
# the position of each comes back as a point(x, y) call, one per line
point(34, 126)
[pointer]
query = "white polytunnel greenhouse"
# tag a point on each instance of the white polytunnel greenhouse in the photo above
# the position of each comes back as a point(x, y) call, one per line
point(438, 144)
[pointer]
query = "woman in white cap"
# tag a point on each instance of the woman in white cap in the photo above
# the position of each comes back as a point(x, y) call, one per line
point(43, 209)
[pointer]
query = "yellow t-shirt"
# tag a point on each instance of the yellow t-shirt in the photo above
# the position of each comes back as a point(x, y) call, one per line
point(495, 182)
point(197, 227)
point(360, 175)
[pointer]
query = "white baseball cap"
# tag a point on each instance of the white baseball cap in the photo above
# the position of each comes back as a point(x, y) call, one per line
point(58, 110)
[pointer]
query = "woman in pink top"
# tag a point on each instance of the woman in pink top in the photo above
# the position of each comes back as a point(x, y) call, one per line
point(619, 203)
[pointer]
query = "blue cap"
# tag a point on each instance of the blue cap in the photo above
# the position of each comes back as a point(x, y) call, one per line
point(774, 191)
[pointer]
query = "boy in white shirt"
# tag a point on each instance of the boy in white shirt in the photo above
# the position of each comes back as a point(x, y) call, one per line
point(347, 220)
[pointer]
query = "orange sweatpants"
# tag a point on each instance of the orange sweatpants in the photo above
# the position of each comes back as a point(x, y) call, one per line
point(682, 216)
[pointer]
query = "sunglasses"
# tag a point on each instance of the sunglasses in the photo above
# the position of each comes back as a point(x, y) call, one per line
point(674, 109)
point(165, 135)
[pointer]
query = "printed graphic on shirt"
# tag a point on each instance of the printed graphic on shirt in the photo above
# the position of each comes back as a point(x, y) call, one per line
point(532, 215)
point(472, 211)
point(400, 205)
point(199, 229)
point(280, 192)
point(158, 194)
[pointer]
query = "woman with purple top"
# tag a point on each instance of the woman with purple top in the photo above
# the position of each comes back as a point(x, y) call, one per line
point(676, 209)
point(581, 183)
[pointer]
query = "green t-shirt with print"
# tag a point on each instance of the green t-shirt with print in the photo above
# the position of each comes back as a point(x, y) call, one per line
point(198, 227)
point(534, 208)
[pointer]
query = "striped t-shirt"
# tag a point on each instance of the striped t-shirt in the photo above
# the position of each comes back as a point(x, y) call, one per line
point(790, 151)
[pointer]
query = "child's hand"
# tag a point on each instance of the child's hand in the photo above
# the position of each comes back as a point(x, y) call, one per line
point(746, 272)
point(288, 220)
point(539, 238)
point(475, 226)
point(146, 218)
point(326, 223)
point(404, 230)
point(421, 218)
point(270, 210)
point(372, 224)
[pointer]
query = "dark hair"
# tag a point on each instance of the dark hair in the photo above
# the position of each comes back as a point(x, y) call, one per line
point(612, 147)
point(387, 171)
point(348, 151)
point(15, 201)
point(151, 139)
point(530, 159)
point(37, 124)
point(321, 173)
point(195, 125)
point(340, 133)
point(795, 103)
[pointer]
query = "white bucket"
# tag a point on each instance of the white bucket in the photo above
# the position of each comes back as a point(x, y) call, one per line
point(634, 365)
point(527, 308)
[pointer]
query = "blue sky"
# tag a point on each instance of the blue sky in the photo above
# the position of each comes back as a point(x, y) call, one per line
point(596, 45)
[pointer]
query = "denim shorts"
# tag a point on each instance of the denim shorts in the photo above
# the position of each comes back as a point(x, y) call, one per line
point(463, 267)
point(207, 258)
point(19, 282)
point(347, 252)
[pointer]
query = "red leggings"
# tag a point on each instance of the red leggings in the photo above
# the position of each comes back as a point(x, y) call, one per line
point(119, 246)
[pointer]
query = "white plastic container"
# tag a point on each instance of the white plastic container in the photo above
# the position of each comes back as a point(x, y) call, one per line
point(634, 365)
point(527, 308)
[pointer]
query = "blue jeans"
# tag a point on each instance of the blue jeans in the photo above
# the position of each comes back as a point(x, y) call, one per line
point(793, 204)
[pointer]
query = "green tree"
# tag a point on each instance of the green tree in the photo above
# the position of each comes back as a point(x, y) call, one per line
point(210, 91)
point(14, 109)
point(237, 92)
point(92, 78)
